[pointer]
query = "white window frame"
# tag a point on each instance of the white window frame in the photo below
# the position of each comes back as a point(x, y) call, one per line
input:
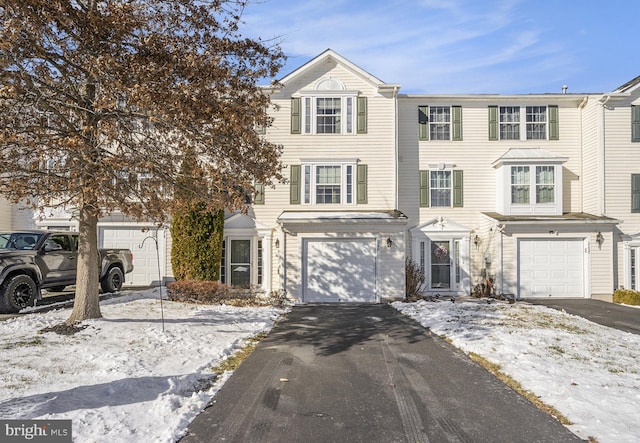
point(433, 188)
point(631, 257)
point(533, 184)
point(348, 177)
point(437, 121)
point(348, 110)
point(526, 122)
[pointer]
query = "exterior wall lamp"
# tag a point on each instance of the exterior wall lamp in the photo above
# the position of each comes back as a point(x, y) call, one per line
point(599, 238)
point(476, 241)
point(277, 243)
point(389, 242)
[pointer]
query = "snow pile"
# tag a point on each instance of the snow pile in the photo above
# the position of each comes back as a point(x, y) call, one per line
point(588, 372)
point(123, 379)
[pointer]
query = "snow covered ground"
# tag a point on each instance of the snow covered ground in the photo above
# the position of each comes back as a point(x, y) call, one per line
point(588, 372)
point(122, 379)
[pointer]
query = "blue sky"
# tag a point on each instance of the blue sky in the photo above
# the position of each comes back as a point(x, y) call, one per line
point(463, 46)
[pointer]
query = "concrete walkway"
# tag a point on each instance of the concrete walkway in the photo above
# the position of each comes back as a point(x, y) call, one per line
point(613, 315)
point(365, 373)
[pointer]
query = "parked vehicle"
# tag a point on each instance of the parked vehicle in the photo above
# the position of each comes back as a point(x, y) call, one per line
point(34, 260)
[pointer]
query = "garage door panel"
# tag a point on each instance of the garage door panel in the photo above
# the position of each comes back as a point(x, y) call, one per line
point(551, 268)
point(145, 261)
point(341, 270)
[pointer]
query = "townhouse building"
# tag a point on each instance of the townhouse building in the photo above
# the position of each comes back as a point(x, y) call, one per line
point(538, 194)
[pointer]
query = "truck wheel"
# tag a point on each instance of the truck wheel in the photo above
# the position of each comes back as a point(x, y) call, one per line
point(18, 293)
point(112, 282)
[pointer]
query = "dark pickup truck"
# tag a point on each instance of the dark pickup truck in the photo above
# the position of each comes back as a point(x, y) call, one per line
point(34, 260)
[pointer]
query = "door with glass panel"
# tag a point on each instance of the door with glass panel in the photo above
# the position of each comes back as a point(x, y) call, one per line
point(240, 262)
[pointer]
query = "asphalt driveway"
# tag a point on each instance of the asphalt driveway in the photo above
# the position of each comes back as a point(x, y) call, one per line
point(614, 315)
point(365, 373)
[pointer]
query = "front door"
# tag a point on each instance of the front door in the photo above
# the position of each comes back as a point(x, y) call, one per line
point(443, 271)
point(240, 262)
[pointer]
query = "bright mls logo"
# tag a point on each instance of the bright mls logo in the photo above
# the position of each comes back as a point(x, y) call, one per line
point(44, 431)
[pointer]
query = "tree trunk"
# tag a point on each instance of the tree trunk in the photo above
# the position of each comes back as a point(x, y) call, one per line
point(87, 301)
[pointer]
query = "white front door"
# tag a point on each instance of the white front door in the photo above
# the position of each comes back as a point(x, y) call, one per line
point(551, 267)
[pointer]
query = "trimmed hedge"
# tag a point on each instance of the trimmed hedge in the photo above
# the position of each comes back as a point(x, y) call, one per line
point(626, 297)
point(212, 293)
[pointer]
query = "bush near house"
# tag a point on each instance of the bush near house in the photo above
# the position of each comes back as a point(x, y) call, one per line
point(216, 293)
point(414, 279)
point(626, 297)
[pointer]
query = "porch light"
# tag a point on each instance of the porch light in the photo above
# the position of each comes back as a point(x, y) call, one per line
point(476, 241)
point(389, 242)
point(599, 238)
point(277, 243)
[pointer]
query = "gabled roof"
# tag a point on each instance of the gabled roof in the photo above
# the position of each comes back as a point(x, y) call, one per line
point(629, 86)
point(331, 55)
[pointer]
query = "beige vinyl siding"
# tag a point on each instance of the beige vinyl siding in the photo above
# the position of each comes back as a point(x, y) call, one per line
point(622, 158)
point(590, 179)
point(6, 214)
point(603, 279)
point(376, 149)
point(475, 155)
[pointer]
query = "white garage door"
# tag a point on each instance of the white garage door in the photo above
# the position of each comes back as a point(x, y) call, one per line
point(551, 268)
point(145, 262)
point(340, 270)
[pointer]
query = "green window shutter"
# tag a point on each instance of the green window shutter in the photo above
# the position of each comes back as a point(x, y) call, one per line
point(554, 127)
point(361, 185)
point(635, 123)
point(457, 189)
point(258, 194)
point(423, 123)
point(635, 193)
point(493, 123)
point(295, 185)
point(362, 115)
point(296, 118)
point(456, 122)
point(424, 189)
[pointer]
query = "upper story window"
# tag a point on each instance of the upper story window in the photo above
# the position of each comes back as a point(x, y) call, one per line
point(329, 109)
point(635, 123)
point(534, 125)
point(328, 184)
point(635, 193)
point(523, 122)
point(328, 115)
point(440, 123)
point(537, 189)
point(529, 181)
point(441, 186)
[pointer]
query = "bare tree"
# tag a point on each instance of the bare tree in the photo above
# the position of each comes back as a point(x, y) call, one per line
point(100, 99)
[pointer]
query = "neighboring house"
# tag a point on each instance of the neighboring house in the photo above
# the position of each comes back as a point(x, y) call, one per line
point(538, 193)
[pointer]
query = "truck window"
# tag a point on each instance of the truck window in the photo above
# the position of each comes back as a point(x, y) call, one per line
point(63, 241)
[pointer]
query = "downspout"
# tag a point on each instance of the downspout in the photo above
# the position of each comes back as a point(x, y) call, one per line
point(396, 148)
point(601, 155)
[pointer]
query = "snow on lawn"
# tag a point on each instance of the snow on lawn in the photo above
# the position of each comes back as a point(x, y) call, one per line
point(122, 379)
point(588, 372)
